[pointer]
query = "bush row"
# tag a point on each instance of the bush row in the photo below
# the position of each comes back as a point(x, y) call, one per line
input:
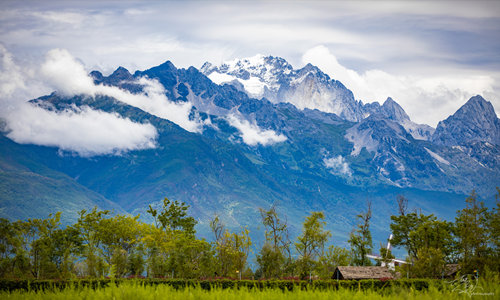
point(208, 284)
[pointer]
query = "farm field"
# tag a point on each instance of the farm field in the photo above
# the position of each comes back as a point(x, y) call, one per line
point(131, 290)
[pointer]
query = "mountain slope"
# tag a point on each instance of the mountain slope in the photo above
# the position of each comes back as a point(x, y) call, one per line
point(30, 189)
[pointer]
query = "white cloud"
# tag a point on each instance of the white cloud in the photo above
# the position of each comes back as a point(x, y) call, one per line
point(338, 165)
point(426, 99)
point(252, 134)
point(84, 131)
point(71, 18)
point(68, 76)
point(11, 77)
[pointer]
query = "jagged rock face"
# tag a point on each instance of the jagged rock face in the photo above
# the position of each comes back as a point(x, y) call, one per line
point(391, 110)
point(121, 77)
point(275, 79)
point(396, 155)
point(475, 121)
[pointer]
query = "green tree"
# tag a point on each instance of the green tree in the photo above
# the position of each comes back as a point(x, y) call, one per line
point(494, 232)
point(275, 255)
point(173, 249)
point(120, 236)
point(156, 242)
point(270, 261)
point(231, 249)
point(429, 241)
point(360, 239)
point(386, 256)
point(43, 252)
point(333, 257)
point(430, 263)
point(311, 243)
point(473, 235)
point(89, 225)
point(9, 246)
point(173, 215)
point(68, 247)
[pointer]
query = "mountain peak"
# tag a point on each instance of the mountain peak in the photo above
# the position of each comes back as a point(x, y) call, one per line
point(393, 111)
point(167, 65)
point(475, 121)
point(478, 104)
point(120, 73)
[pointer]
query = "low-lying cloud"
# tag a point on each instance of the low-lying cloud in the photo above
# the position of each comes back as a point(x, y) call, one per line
point(337, 165)
point(417, 95)
point(83, 130)
point(252, 134)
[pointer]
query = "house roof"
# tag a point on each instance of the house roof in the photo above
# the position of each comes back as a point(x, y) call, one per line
point(348, 272)
point(450, 270)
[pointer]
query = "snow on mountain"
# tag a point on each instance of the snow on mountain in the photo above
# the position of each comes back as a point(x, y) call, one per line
point(275, 79)
point(437, 157)
point(259, 75)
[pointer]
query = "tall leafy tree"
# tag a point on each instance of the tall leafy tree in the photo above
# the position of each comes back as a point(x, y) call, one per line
point(360, 238)
point(172, 247)
point(275, 253)
point(10, 245)
point(120, 236)
point(90, 226)
point(473, 235)
point(494, 231)
point(429, 241)
point(232, 249)
point(311, 243)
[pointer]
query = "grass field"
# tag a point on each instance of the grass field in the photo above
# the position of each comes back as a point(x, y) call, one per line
point(485, 290)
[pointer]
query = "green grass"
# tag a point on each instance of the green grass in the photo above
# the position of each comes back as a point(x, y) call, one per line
point(133, 290)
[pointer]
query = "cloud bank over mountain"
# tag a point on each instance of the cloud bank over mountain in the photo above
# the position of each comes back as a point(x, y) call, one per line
point(415, 93)
point(65, 74)
point(82, 130)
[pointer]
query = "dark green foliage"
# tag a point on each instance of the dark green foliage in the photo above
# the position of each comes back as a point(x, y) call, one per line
point(473, 236)
point(494, 231)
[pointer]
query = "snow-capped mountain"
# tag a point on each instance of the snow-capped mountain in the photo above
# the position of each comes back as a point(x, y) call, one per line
point(475, 121)
point(275, 79)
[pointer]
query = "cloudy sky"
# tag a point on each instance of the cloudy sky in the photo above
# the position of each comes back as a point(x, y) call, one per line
point(429, 56)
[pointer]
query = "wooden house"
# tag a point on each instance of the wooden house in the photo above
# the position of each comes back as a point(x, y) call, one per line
point(357, 273)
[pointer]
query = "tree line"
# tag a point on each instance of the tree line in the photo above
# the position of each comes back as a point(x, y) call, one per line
point(102, 245)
